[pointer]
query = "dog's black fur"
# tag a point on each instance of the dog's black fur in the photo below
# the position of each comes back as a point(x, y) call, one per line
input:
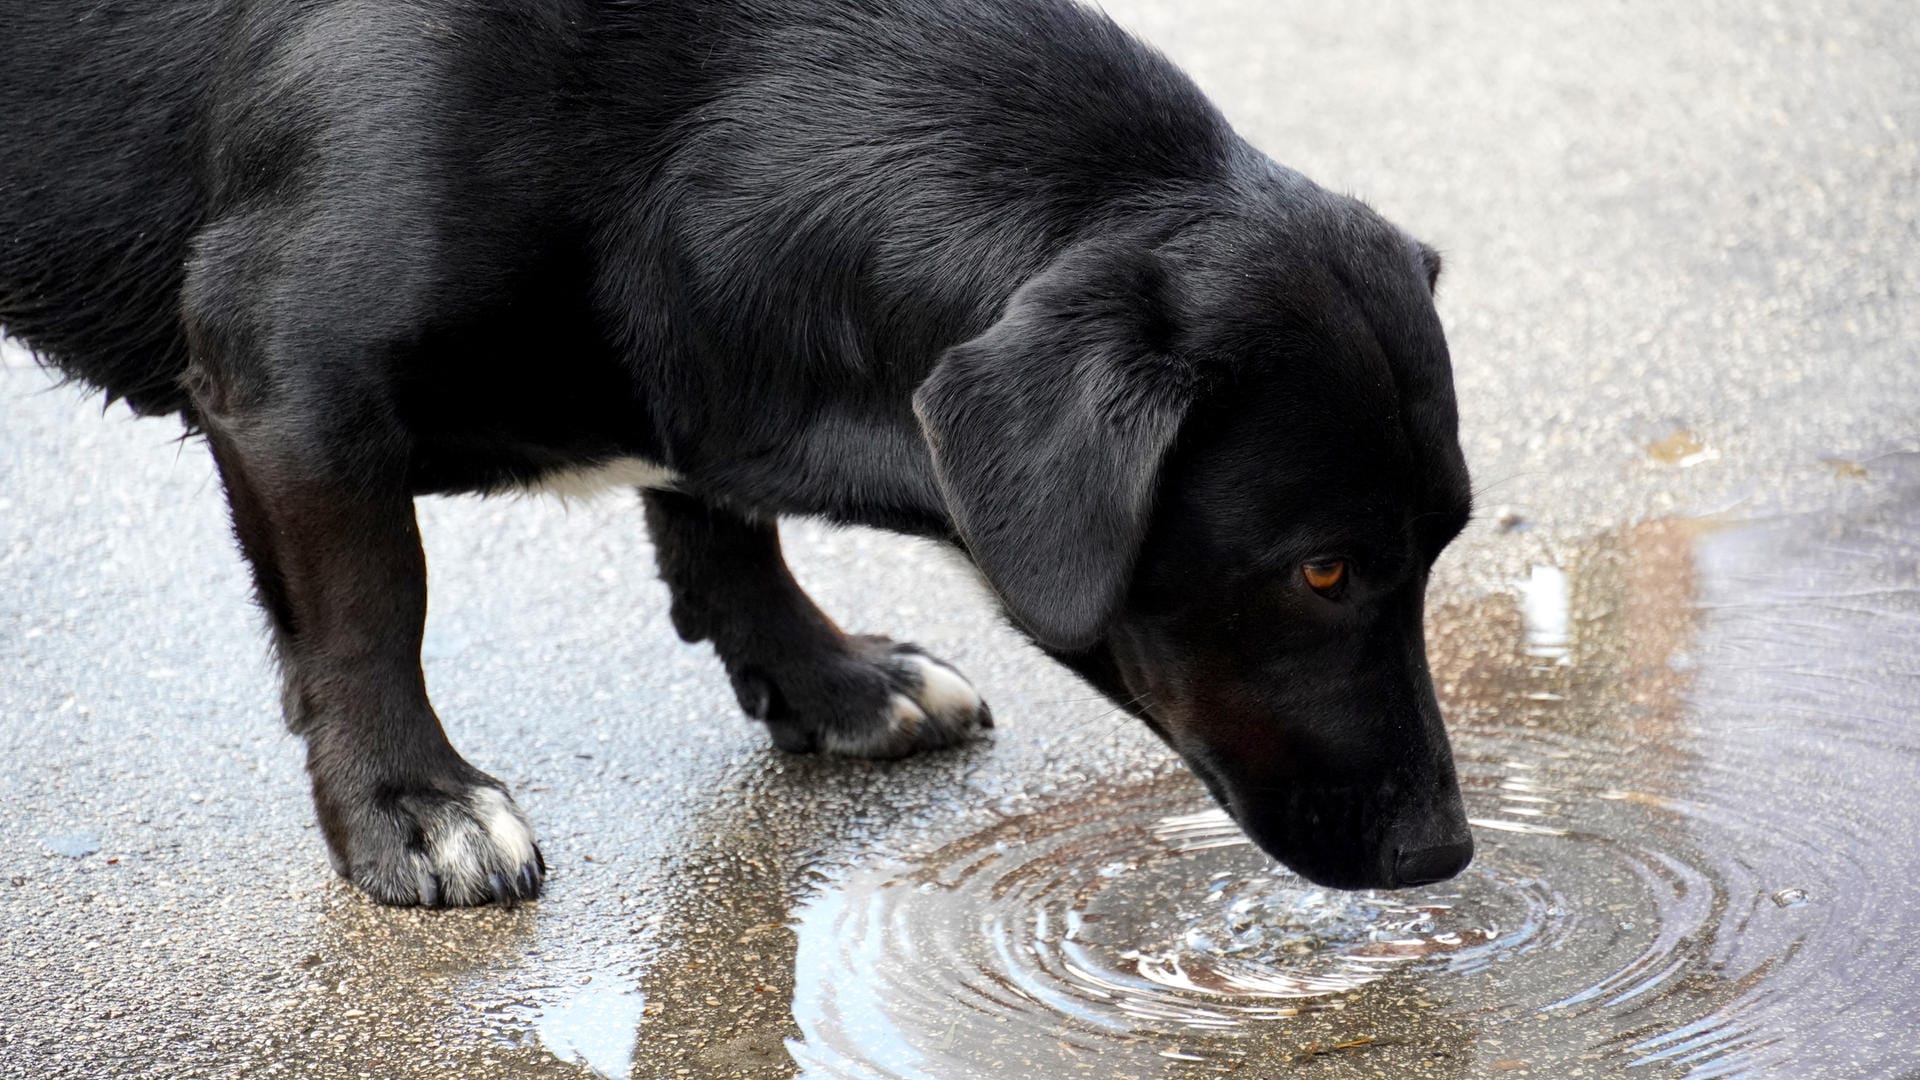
point(988, 271)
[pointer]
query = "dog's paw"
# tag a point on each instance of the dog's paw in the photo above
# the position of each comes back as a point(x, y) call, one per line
point(929, 705)
point(878, 699)
point(449, 845)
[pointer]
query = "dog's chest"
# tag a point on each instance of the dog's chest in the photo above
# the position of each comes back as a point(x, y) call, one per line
point(590, 480)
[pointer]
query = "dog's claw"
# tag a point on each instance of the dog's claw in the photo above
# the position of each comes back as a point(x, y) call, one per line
point(428, 884)
point(501, 894)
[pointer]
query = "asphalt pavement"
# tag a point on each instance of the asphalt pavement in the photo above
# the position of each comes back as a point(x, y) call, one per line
point(1683, 280)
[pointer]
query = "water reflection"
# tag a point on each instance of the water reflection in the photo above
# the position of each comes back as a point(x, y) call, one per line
point(1686, 755)
point(1544, 609)
point(594, 1028)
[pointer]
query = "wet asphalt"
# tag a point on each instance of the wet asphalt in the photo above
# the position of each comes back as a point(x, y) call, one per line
point(1683, 282)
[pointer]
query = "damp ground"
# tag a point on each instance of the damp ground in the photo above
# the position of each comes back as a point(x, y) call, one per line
point(1678, 650)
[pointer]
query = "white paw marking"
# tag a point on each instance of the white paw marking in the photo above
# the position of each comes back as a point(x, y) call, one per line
point(620, 474)
point(504, 824)
point(464, 850)
point(942, 689)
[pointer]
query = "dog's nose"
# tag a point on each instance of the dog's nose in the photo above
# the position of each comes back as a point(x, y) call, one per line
point(1423, 866)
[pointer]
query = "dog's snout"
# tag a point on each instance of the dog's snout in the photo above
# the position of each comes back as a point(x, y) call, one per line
point(1423, 866)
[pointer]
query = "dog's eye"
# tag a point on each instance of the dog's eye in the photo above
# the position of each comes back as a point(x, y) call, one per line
point(1325, 576)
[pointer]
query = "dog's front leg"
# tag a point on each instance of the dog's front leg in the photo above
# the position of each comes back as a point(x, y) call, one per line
point(329, 528)
point(815, 686)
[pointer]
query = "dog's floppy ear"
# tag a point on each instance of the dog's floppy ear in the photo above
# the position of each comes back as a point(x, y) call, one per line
point(1048, 431)
point(1430, 262)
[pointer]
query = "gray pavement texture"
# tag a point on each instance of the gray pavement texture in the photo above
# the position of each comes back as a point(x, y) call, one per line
point(1683, 251)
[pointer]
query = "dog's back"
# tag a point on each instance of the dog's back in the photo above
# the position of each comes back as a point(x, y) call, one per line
point(97, 189)
point(655, 149)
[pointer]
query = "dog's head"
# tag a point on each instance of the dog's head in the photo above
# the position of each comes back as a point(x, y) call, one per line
point(1210, 470)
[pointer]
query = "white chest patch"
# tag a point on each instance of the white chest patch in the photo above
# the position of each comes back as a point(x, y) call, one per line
point(616, 475)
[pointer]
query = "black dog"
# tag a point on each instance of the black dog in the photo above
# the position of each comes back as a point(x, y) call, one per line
point(988, 271)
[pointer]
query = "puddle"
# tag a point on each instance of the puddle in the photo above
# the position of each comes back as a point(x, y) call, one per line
point(1112, 930)
point(1688, 756)
point(595, 1028)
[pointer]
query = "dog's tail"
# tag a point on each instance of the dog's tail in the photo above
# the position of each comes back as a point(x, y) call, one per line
point(97, 191)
